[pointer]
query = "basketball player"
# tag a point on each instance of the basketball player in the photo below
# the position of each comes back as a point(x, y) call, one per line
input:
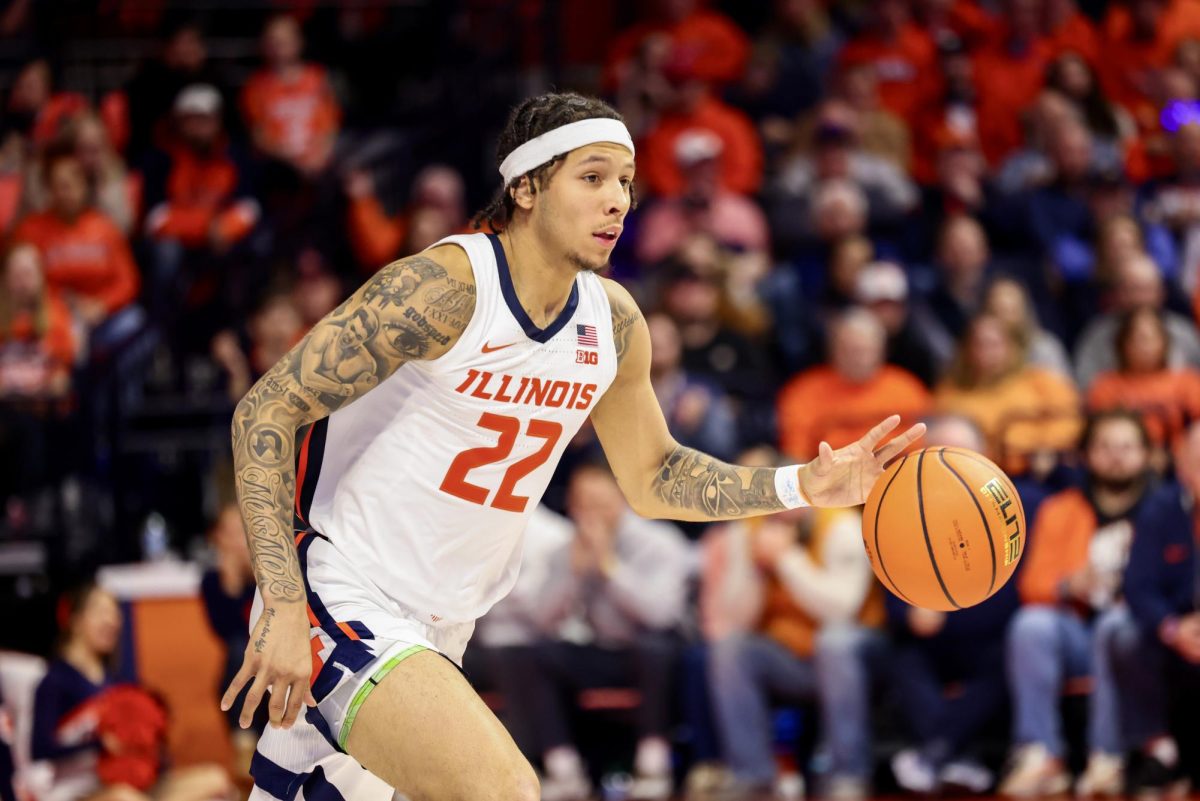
point(396, 518)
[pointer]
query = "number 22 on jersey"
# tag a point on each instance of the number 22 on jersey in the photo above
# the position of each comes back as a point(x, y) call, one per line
point(509, 428)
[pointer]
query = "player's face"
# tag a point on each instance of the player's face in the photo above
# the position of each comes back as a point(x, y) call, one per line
point(582, 210)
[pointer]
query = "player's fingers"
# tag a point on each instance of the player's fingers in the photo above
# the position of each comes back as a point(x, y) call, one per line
point(297, 694)
point(278, 704)
point(308, 696)
point(244, 674)
point(899, 443)
point(873, 437)
point(825, 456)
point(253, 697)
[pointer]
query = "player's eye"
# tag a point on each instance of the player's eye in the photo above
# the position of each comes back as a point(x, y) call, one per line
point(626, 183)
point(592, 178)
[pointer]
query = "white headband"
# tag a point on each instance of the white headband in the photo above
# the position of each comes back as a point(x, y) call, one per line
point(539, 150)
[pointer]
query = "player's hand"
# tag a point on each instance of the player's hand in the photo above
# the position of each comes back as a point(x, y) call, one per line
point(277, 659)
point(845, 477)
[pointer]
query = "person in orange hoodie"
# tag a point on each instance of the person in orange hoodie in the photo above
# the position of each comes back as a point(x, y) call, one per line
point(902, 54)
point(86, 257)
point(693, 106)
point(1067, 29)
point(1024, 411)
point(1168, 397)
point(836, 401)
point(718, 46)
point(1072, 620)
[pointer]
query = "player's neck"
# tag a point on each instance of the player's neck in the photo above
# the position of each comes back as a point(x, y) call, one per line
point(542, 281)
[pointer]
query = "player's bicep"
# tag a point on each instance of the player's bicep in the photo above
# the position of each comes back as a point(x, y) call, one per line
point(628, 420)
point(411, 309)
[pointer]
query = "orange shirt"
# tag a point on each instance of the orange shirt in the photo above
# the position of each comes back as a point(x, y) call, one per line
point(1058, 547)
point(741, 159)
point(1167, 399)
point(1031, 410)
point(784, 621)
point(89, 256)
point(906, 68)
point(1076, 35)
point(1128, 65)
point(1007, 84)
point(294, 117)
point(57, 342)
point(710, 42)
point(375, 237)
point(819, 404)
point(200, 192)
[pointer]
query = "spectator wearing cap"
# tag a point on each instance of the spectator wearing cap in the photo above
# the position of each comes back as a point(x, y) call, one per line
point(85, 255)
point(882, 289)
point(835, 154)
point(692, 106)
point(289, 105)
point(902, 54)
point(436, 208)
point(836, 401)
point(1138, 283)
point(182, 61)
point(703, 206)
point(202, 204)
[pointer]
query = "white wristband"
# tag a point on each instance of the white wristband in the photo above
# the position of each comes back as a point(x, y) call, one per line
point(787, 487)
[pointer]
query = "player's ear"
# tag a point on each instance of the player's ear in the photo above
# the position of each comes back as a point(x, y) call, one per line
point(522, 193)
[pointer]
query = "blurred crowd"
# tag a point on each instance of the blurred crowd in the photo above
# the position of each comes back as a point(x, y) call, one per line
point(980, 213)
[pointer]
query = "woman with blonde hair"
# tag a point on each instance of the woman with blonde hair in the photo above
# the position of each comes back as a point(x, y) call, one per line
point(1008, 299)
point(1023, 410)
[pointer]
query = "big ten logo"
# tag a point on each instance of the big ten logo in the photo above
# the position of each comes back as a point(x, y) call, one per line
point(587, 357)
point(995, 490)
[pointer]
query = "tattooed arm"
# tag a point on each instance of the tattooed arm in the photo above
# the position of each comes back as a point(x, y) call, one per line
point(661, 478)
point(414, 308)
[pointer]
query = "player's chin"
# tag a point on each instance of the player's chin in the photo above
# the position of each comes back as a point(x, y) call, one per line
point(591, 262)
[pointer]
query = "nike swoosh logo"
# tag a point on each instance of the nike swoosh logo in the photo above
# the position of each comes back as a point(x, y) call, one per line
point(487, 348)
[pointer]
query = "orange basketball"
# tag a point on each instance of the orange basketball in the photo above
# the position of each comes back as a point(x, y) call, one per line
point(944, 528)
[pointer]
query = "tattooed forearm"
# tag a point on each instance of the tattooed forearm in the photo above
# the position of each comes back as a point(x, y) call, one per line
point(624, 315)
point(704, 488)
point(410, 309)
point(268, 615)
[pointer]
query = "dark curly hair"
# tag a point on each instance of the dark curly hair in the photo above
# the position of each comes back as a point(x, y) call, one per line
point(529, 120)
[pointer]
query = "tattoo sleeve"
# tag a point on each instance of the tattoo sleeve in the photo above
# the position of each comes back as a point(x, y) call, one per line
point(624, 315)
point(409, 309)
point(695, 486)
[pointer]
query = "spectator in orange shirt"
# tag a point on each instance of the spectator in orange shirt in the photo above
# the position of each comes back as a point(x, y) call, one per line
point(202, 204)
point(733, 220)
point(1067, 29)
point(710, 40)
point(1009, 74)
point(964, 20)
point(289, 105)
point(86, 257)
point(1023, 411)
point(1140, 39)
point(37, 352)
point(950, 117)
point(835, 401)
point(1168, 398)
point(692, 106)
point(902, 54)
point(1073, 622)
point(436, 200)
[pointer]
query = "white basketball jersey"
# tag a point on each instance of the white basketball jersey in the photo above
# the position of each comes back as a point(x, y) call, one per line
point(425, 483)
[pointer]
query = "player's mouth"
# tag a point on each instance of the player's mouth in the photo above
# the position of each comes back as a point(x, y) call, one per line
point(607, 236)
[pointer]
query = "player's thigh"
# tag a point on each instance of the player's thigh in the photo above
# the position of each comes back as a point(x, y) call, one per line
point(427, 733)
